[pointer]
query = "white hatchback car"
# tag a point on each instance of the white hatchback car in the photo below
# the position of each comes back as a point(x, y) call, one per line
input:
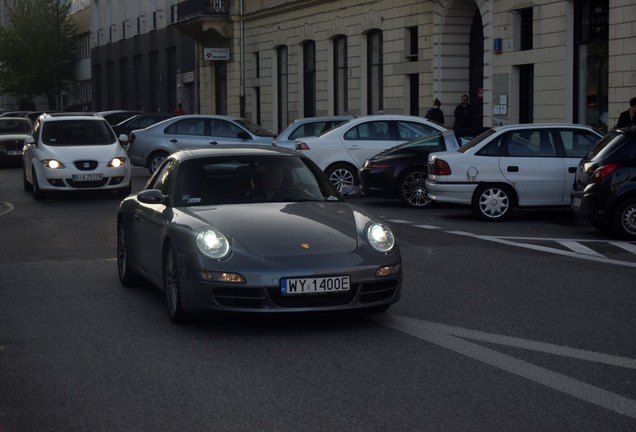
point(508, 166)
point(342, 151)
point(72, 152)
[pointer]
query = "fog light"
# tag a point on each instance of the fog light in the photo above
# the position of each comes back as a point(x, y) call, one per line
point(209, 276)
point(389, 270)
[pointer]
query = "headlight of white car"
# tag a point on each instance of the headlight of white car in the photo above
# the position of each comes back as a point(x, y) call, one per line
point(380, 237)
point(53, 164)
point(117, 162)
point(213, 243)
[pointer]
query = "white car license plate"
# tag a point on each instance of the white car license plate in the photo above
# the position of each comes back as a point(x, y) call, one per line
point(15, 152)
point(87, 177)
point(314, 285)
point(576, 202)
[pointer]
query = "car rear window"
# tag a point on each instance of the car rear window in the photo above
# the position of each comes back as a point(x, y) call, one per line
point(605, 146)
point(77, 132)
point(15, 126)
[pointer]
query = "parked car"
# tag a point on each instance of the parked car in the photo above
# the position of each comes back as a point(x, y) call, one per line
point(14, 114)
point(511, 166)
point(71, 152)
point(604, 190)
point(149, 147)
point(139, 121)
point(341, 152)
point(307, 127)
point(197, 234)
point(401, 171)
point(114, 117)
point(13, 132)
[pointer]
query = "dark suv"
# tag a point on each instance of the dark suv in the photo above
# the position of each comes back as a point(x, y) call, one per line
point(604, 189)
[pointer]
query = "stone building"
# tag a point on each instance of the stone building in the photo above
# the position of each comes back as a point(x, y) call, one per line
point(518, 60)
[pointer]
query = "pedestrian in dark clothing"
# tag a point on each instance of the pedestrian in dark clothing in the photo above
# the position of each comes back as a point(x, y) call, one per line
point(628, 118)
point(463, 114)
point(435, 113)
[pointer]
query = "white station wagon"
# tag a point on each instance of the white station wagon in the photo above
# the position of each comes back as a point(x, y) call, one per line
point(508, 166)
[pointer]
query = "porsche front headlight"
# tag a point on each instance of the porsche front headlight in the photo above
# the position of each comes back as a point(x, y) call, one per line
point(213, 243)
point(380, 237)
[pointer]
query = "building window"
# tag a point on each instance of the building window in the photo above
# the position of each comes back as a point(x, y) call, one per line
point(281, 61)
point(412, 48)
point(414, 104)
point(591, 62)
point(523, 29)
point(374, 72)
point(309, 79)
point(84, 45)
point(340, 75)
point(257, 65)
point(220, 82)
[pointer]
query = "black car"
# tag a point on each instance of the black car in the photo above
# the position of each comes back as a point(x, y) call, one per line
point(139, 121)
point(401, 171)
point(13, 132)
point(604, 190)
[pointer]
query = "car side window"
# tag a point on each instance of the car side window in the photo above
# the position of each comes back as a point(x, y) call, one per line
point(530, 143)
point(223, 128)
point(369, 131)
point(577, 143)
point(191, 126)
point(163, 179)
point(308, 130)
point(411, 130)
point(493, 148)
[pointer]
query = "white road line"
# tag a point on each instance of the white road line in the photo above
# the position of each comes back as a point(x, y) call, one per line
point(5, 207)
point(624, 245)
point(435, 334)
point(601, 259)
point(579, 248)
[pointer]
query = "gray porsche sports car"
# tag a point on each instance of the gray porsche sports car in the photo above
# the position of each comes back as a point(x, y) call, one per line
point(254, 229)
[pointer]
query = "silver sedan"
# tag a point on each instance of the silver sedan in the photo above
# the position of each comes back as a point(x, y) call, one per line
point(149, 147)
point(254, 229)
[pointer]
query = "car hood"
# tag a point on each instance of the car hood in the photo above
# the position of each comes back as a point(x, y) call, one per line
point(280, 229)
point(76, 152)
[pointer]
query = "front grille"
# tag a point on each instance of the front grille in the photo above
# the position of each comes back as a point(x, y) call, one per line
point(376, 291)
point(85, 165)
point(312, 300)
point(86, 184)
point(251, 298)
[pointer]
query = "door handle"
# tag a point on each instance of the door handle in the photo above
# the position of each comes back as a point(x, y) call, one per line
point(174, 140)
point(512, 168)
point(214, 143)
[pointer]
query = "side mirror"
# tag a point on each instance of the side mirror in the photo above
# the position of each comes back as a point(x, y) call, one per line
point(152, 196)
point(123, 138)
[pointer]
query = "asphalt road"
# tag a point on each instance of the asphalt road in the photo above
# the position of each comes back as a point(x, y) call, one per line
point(526, 325)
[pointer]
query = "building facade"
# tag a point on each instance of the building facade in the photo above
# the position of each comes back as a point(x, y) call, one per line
point(139, 61)
point(518, 60)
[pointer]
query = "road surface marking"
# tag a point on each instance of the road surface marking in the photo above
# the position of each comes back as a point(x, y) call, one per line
point(453, 338)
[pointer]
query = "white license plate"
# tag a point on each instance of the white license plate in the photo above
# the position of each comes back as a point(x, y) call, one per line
point(15, 152)
point(87, 177)
point(297, 286)
point(576, 202)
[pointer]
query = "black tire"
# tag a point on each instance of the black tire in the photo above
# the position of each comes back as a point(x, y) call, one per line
point(171, 286)
point(38, 194)
point(493, 202)
point(154, 160)
point(126, 275)
point(412, 188)
point(28, 187)
point(342, 174)
point(624, 219)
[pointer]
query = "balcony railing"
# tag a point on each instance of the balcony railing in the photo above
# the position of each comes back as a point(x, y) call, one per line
point(198, 8)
